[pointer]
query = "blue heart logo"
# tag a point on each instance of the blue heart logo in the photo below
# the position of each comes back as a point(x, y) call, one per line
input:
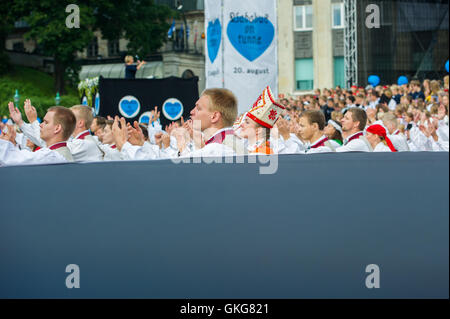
point(214, 37)
point(251, 38)
point(173, 109)
point(129, 106)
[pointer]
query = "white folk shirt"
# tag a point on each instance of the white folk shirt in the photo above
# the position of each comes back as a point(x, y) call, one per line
point(111, 153)
point(355, 143)
point(399, 141)
point(219, 145)
point(322, 145)
point(293, 145)
point(10, 155)
point(381, 148)
point(83, 147)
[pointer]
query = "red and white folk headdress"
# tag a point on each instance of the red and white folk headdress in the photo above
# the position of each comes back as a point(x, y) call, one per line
point(266, 111)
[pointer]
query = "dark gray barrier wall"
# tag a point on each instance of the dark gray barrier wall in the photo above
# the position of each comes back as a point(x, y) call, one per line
point(160, 230)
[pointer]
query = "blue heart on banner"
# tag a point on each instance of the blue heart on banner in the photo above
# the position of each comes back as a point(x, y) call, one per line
point(251, 38)
point(129, 106)
point(214, 37)
point(173, 109)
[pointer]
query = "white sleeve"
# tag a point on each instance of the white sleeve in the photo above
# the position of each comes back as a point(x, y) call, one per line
point(140, 153)
point(33, 132)
point(420, 140)
point(439, 146)
point(443, 131)
point(353, 146)
point(9, 155)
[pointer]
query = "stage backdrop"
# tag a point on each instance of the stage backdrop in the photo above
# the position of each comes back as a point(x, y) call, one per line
point(245, 32)
point(134, 99)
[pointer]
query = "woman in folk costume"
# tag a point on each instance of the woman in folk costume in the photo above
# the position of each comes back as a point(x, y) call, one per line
point(256, 124)
point(334, 133)
point(377, 137)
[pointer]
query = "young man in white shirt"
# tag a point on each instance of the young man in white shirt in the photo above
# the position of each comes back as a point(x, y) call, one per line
point(353, 125)
point(311, 126)
point(55, 130)
point(215, 113)
point(82, 145)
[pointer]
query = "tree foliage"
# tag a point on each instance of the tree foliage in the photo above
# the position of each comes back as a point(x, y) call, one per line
point(142, 22)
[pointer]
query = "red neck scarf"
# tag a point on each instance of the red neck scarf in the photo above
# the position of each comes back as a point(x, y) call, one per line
point(320, 143)
point(58, 145)
point(220, 137)
point(381, 131)
point(83, 136)
point(354, 137)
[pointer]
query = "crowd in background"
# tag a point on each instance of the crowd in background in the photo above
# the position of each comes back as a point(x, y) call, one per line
point(397, 118)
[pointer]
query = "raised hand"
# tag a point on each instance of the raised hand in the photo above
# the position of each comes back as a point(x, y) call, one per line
point(120, 132)
point(157, 114)
point(135, 134)
point(15, 114)
point(10, 135)
point(30, 111)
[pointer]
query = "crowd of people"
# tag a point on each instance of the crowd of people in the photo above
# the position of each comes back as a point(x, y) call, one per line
point(409, 118)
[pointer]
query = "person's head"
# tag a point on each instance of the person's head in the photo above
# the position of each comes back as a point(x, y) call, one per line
point(107, 137)
point(435, 87)
point(409, 117)
point(84, 117)
point(129, 59)
point(406, 99)
point(390, 122)
point(359, 99)
point(416, 86)
point(446, 82)
point(330, 103)
point(354, 121)
point(444, 99)
point(58, 124)
point(323, 100)
point(311, 124)
point(333, 131)
point(98, 122)
point(377, 134)
point(337, 116)
point(216, 108)
point(350, 100)
point(253, 131)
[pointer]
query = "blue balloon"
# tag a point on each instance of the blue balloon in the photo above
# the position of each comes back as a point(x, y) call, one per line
point(39, 120)
point(374, 80)
point(5, 121)
point(402, 80)
point(446, 66)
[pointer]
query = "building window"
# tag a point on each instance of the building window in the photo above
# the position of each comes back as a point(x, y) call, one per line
point(338, 12)
point(113, 48)
point(339, 72)
point(303, 19)
point(92, 50)
point(304, 74)
point(18, 47)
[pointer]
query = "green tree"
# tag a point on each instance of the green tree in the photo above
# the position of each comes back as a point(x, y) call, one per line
point(142, 22)
point(47, 21)
point(7, 17)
